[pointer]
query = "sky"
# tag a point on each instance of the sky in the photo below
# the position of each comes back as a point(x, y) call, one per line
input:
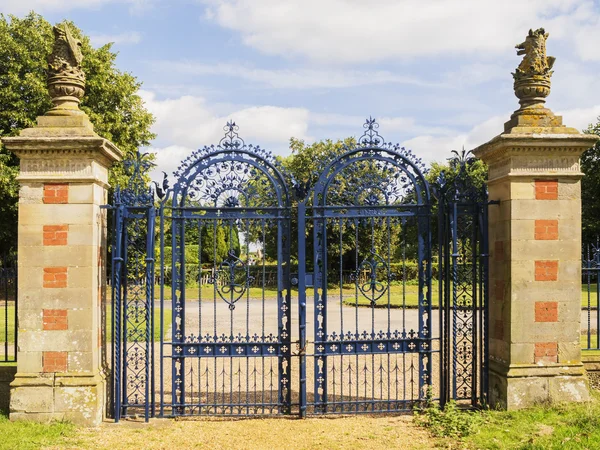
point(436, 74)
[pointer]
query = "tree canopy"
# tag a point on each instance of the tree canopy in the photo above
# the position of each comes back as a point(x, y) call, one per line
point(590, 187)
point(111, 101)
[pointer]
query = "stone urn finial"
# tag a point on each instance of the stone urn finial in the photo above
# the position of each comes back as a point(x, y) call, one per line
point(532, 77)
point(66, 80)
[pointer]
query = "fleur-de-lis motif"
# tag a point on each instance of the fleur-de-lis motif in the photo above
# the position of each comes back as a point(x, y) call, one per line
point(377, 272)
point(232, 279)
point(370, 137)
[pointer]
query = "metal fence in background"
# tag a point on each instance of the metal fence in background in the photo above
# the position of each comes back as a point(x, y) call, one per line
point(8, 309)
point(590, 300)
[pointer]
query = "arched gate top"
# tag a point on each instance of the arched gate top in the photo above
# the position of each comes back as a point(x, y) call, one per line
point(230, 174)
point(372, 173)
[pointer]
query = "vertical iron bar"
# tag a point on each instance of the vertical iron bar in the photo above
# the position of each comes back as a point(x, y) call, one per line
point(455, 255)
point(302, 303)
point(117, 262)
point(162, 307)
point(472, 210)
point(149, 373)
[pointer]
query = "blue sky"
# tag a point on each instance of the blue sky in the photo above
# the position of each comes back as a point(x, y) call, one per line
point(435, 73)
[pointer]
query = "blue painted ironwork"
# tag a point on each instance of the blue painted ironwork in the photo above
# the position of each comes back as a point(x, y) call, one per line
point(8, 308)
point(591, 283)
point(224, 314)
point(133, 292)
point(221, 359)
point(370, 194)
point(463, 288)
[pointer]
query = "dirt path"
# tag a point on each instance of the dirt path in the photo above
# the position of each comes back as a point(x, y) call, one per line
point(323, 433)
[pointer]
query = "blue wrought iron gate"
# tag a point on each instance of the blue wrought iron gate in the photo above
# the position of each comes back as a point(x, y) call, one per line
point(204, 321)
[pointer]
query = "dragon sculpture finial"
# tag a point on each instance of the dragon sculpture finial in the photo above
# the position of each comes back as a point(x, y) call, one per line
point(66, 79)
point(532, 77)
point(535, 61)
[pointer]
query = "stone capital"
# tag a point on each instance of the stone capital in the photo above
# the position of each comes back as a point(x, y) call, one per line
point(63, 149)
point(534, 155)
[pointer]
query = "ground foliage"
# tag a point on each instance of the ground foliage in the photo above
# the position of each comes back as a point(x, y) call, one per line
point(32, 435)
point(111, 101)
point(568, 426)
point(447, 422)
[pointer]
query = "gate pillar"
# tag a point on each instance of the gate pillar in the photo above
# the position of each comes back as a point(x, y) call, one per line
point(535, 246)
point(62, 234)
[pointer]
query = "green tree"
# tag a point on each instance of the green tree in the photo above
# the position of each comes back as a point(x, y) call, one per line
point(590, 187)
point(306, 164)
point(111, 101)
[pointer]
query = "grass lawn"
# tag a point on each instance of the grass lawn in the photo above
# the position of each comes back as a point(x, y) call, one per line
point(568, 426)
point(30, 435)
point(564, 427)
point(3, 324)
point(142, 324)
point(593, 293)
point(208, 291)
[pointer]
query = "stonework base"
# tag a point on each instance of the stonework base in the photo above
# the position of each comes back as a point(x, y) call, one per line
point(521, 386)
point(79, 398)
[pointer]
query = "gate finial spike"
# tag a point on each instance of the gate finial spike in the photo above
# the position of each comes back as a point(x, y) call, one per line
point(231, 138)
point(371, 137)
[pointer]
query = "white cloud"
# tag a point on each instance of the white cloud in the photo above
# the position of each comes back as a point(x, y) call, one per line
point(580, 118)
point(360, 32)
point(131, 37)
point(476, 73)
point(438, 148)
point(190, 122)
point(300, 78)
point(167, 160)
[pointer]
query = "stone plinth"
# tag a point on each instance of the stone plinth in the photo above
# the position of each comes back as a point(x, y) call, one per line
point(535, 261)
point(62, 242)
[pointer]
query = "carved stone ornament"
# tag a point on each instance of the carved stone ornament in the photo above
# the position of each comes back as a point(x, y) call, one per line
point(66, 79)
point(532, 77)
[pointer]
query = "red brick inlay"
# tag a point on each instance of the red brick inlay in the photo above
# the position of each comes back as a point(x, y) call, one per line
point(499, 329)
point(55, 319)
point(56, 193)
point(546, 311)
point(499, 290)
point(55, 234)
point(546, 230)
point(546, 352)
point(499, 250)
point(55, 277)
point(54, 361)
point(546, 189)
point(546, 270)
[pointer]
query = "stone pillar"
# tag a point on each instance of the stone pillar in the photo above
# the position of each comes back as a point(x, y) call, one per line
point(535, 253)
point(62, 236)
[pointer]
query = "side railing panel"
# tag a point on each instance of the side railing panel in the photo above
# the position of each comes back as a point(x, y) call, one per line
point(590, 293)
point(8, 309)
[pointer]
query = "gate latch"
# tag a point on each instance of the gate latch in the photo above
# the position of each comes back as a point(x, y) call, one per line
point(300, 351)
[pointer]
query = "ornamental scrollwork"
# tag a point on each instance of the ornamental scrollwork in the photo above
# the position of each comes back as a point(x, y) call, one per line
point(231, 279)
point(372, 277)
point(373, 173)
point(137, 192)
point(232, 174)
